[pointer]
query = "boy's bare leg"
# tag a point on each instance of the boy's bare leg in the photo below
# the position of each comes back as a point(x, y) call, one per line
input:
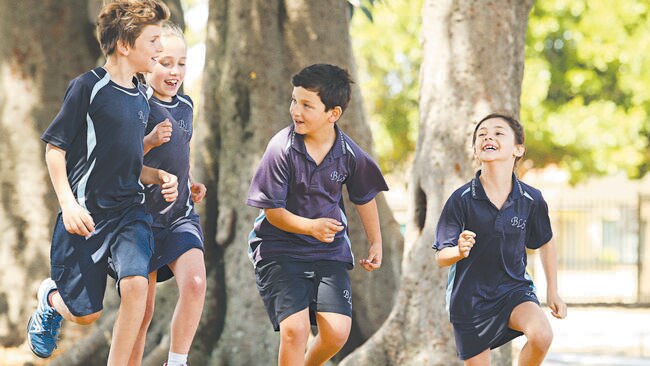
point(333, 332)
point(62, 309)
point(138, 348)
point(189, 270)
point(529, 318)
point(482, 359)
point(129, 318)
point(294, 333)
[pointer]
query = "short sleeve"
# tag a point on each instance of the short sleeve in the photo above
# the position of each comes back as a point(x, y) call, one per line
point(71, 117)
point(539, 230)
point(270, 183)
point(450, 224)
point(157, 114)
point(187, 99)
point(366, 179)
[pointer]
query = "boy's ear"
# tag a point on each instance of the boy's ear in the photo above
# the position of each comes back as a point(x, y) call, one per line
point(335, 113)
point(122, 47)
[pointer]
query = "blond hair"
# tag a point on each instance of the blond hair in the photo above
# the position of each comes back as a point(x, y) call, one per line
point(171, 29)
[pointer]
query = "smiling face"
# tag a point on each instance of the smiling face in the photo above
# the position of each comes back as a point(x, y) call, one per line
point(146, 49)
point(169, 72)
point(308, 113)
point(495, 140)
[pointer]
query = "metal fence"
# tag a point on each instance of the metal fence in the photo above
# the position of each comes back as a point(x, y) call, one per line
point(600, 247)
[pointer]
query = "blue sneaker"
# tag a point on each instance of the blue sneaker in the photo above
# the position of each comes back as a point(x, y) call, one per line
point(44, 324)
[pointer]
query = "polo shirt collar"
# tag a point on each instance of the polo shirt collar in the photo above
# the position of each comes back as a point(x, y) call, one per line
point(479, 193)
point(337, 150)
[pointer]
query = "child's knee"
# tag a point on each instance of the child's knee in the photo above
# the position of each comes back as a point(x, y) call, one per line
point(133, 285)
point(294, 333)
point(87, 319)
point(541, 338)
point(193, 287)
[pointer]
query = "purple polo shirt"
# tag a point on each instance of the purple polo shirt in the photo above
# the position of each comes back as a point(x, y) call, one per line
point(287, 177)
point(496, 265)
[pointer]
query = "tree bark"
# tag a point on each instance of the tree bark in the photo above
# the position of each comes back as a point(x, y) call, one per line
point(472, 64)
point(253, 48)
point(45, 44)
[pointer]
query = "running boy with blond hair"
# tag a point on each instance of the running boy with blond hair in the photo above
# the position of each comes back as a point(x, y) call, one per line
point(94, 155)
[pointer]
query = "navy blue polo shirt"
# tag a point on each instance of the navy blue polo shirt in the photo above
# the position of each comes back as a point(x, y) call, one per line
point(496, 265)
point(101, 126)
point(287, 177)
point(172, 157)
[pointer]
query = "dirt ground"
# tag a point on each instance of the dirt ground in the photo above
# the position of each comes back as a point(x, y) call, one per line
point(595, 336)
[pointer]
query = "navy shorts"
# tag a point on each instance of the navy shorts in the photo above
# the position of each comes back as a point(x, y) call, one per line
point(80, 265)
point(491, 332)
point(288, 286)
point(171, 242)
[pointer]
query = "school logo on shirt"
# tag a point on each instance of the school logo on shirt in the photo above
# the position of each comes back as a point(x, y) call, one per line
point(518, 223)
point(141, 117)
point(337, 177)
point(183, 125)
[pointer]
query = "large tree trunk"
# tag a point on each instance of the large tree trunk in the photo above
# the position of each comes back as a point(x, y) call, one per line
point(253, 48)
point(44, 45)
point(473, 64)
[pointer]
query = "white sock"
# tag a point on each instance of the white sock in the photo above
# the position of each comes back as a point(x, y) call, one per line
point(176, 359)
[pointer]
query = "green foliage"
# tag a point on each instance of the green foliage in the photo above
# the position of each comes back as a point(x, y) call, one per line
point(364, 5)
point(586, 88)
point(388, 55)
point(586, 101)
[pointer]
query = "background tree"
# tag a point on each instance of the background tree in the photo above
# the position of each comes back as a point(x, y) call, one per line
point(473, 58)
point(253, 48)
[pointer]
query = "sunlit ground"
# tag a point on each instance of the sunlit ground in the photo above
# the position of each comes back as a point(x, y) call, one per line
point(588, 336)
point(599, 337)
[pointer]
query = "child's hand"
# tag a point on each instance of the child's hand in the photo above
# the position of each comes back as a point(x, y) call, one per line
point(373, 261)
point(324, 229)
point(169, 186)
point(557, 305)
point(466, 242)
point(198, 192)
point(160, 134)
point(77, 220)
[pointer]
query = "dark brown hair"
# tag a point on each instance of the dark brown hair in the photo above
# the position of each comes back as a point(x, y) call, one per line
point(514, 124)
point(330, 82)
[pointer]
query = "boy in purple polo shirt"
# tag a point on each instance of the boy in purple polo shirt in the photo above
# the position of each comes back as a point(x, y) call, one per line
point(299, 244)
